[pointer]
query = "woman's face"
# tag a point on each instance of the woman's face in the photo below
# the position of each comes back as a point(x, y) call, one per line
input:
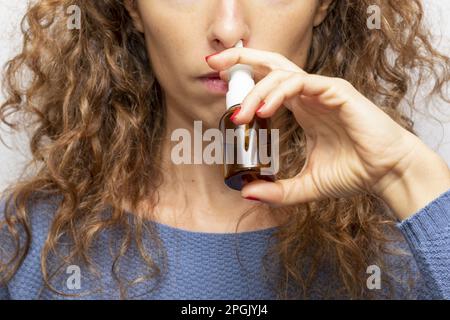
point(180, 33)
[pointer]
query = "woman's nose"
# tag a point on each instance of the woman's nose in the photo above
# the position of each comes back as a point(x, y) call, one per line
point(229, 23)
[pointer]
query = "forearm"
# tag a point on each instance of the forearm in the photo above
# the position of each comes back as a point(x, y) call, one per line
point(428, 235)
point(418, 193)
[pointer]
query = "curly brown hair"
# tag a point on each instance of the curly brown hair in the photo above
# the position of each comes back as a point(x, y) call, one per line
point(97, 116)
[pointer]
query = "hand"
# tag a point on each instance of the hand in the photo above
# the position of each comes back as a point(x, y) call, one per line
point(352, 145)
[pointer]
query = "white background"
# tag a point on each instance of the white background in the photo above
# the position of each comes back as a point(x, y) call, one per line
point(11, 161)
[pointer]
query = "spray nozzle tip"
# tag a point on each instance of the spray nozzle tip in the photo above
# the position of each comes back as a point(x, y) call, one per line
point(239, 44)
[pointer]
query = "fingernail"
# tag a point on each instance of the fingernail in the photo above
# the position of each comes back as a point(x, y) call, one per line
point(252, 198)
point(207, 57)
point(235, 113)
point(260, 107)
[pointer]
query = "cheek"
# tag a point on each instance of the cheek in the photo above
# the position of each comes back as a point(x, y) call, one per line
point(298, 17)
point(165, 31)
point(168, 36)
point(290, 32)
point(163, 23)
point(289, 19)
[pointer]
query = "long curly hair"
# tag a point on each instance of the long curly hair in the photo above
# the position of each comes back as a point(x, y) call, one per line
point(97, 118)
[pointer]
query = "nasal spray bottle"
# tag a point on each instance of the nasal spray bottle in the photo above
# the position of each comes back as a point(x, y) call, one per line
point(246, 147)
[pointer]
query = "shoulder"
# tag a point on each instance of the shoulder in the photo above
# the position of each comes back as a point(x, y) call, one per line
point(40, 211)
point(27, 280)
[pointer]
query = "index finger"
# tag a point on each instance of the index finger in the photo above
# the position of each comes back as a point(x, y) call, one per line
point(262, 62)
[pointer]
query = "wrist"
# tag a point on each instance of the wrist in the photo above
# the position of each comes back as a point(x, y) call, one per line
point(422, 177)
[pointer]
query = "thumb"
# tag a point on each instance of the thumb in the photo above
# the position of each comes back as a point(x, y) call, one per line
point(299, 189)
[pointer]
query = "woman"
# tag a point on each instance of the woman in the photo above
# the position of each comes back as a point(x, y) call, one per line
point(360, 203)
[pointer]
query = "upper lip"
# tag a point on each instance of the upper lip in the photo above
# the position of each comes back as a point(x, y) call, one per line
point(211, 75)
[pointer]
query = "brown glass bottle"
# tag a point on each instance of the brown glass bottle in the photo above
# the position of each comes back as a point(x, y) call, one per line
point(243, 150)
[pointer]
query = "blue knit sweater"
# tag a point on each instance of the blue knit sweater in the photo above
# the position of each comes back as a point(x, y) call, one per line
point(229, 266)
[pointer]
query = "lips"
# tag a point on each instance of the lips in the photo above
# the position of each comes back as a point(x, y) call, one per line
point(211, 75)
point(213, 83)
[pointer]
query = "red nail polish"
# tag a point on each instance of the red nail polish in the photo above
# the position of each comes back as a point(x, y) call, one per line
point(235, 113)
point(261, 105)
point(238, 167)
point(252, 198)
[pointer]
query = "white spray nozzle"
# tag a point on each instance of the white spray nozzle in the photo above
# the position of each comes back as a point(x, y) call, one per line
point(241, 82)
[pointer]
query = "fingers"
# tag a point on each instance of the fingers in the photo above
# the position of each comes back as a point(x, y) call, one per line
point(262, 62)
point(328, 92)
point(292, 86)
point(276, 89)
point(258, 95)
point(300, 189)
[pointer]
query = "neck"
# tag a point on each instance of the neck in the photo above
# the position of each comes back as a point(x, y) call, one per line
point(195, 197)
